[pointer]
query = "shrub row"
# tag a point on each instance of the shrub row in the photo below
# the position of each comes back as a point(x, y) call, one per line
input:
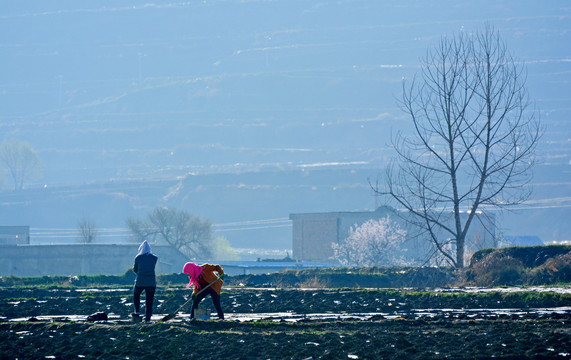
point(530, 256)
point(537, 265)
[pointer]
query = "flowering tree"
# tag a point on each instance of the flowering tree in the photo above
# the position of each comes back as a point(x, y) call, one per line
point(374, 243)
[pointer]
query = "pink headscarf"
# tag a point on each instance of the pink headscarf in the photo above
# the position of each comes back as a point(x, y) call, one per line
point(194, 271)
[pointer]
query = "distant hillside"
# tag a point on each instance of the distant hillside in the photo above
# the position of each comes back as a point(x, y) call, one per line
point(243, 112)
point(151, 91)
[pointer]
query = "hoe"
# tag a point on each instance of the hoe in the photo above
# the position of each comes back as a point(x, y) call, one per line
point(172, 315)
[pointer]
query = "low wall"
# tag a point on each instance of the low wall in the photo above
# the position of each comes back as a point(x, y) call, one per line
point(82, 259)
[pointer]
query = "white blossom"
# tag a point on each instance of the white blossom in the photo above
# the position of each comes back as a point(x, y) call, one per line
point(374, 243)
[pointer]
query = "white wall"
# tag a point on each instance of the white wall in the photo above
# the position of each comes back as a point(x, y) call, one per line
point(81, 259)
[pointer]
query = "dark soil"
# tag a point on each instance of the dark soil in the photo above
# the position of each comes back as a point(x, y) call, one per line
point(381, 339)
point(378, 337)
point(24, 303)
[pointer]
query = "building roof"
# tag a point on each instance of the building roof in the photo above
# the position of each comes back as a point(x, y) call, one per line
point(524, 240)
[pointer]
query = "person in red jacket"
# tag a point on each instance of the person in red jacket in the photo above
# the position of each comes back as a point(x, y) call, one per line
point(200, 276)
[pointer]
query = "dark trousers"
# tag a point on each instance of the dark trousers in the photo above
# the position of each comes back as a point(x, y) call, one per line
point(215, 299)
point(149, 297)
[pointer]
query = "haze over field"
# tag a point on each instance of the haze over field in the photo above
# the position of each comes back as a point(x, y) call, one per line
point(243, 112)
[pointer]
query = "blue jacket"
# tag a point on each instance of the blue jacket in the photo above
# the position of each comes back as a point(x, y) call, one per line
point(144, 267)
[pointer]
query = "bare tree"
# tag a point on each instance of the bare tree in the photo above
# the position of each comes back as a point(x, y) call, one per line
point(474, 140)
point(187, 233)
point(21, 161)
point(87, 231)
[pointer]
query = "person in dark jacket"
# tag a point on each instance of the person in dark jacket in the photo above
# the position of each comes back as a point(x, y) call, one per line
point(144, 267)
